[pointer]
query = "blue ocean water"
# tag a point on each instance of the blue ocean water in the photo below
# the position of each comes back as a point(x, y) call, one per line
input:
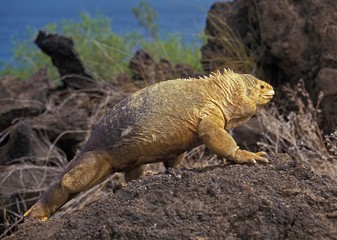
point(187, 17)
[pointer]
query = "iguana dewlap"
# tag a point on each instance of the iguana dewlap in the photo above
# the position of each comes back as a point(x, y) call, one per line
point(158, 124)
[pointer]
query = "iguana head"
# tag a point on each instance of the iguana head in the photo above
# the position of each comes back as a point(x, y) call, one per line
point(242, 88)
point(258, 91)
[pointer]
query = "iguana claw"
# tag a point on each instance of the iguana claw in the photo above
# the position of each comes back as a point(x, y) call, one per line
point(243, 156)
point(37, 211)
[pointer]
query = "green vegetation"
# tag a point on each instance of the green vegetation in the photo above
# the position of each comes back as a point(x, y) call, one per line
point(147, 18)
point(104, 53)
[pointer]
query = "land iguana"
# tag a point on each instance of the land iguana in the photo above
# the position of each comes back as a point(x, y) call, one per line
point(158, 124)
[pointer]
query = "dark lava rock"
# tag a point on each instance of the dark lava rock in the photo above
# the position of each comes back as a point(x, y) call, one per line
point(145, 68)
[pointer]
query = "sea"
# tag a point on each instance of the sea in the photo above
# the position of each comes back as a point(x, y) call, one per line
point(184, 17)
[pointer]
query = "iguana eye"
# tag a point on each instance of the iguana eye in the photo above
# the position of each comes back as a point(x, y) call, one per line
point(262, 87)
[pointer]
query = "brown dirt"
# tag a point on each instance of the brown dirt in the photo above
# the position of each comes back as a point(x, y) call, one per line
point(283, 200)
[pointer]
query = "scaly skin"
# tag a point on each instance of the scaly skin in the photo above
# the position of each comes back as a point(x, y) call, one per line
point(158, 124)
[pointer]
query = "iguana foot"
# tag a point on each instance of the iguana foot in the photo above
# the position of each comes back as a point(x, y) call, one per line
point(137, 173)
point(38, 211)
point(243, 156)
point(149, 173)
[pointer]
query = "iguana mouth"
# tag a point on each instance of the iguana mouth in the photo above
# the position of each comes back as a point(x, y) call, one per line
point(269, 94)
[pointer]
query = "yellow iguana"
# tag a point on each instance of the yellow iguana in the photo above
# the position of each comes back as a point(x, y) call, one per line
point(158, 124)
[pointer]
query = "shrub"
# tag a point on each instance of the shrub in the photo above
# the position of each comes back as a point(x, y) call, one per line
point(297, 132)
point(104, 53)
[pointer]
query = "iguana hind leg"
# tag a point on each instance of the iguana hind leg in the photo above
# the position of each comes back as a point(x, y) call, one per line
point(174, 162)
point(134, 173)
point(87, 171)
point(137, 172)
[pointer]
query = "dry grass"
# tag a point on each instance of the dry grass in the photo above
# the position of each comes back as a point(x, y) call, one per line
point(200, 157)
point(298, 133)
point(22, 182)
point(331, 142)
point(233, 53)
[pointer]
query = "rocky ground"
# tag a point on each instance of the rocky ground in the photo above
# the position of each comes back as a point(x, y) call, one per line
point(282, 200)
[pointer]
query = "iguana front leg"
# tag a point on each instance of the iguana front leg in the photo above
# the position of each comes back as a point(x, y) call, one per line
point(212, 133)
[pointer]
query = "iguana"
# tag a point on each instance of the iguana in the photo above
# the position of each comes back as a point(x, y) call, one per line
point(158, 124)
